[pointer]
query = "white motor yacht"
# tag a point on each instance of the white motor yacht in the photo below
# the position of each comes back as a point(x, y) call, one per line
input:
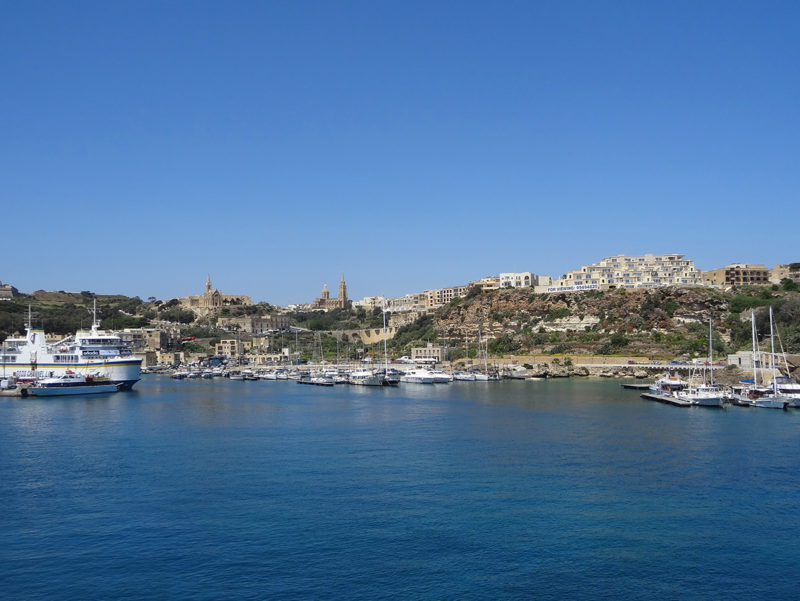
point(417, 376)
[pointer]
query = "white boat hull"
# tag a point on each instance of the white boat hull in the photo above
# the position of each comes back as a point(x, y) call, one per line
point(770, 402)
point(124, 372)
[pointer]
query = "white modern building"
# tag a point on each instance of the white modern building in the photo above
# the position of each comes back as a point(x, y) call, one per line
point(621, 271)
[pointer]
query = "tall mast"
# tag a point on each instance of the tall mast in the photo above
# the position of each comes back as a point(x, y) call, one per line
point(95, 324)
point(710, 351)
point(385, 350)
point(755, 345)
point(772, 345)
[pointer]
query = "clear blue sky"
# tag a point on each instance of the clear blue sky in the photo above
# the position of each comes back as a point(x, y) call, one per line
point(410, 145)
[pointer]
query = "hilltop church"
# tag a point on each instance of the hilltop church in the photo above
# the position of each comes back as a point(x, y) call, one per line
point(212, 300)
point(326, 302)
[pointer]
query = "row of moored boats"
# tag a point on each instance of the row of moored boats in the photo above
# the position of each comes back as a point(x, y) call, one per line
point(331, 376)
point(780, 393)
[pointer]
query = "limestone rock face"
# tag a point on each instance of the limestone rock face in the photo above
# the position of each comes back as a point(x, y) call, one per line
point(583, 320)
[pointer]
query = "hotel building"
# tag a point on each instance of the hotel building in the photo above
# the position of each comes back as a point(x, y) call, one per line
point(621, 271)
point(738, 274)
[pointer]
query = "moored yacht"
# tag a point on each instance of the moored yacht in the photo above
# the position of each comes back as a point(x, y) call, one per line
point(463, 376)
point(667, 385)
point(70, 383)
point(417, 376)
point(704, 396)
point(365, 377)
point(440, 376)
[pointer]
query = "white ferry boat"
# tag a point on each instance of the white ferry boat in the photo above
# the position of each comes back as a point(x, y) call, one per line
point(88, 352)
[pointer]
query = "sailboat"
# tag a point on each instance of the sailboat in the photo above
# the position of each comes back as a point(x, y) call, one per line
point(707, 395)
point(774, 400)
point(390, 378)
point(786, 385)
point(485, 376)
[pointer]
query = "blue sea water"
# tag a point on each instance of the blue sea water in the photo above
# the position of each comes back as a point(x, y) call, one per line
point(509, 490)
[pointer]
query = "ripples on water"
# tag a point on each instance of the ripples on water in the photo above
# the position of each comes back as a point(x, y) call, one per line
point(511, 490)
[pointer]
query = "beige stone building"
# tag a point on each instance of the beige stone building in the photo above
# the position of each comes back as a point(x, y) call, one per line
point(409, 303)
point(254, 324)
point(230, 348)
point(486, 284)
point(324, 301)
point(371, 302)
point(150, 339)
point(429, 352)
point(790, 271)
point(212, 301)
point(171, 357)
point(7, 291)
point(738, 274)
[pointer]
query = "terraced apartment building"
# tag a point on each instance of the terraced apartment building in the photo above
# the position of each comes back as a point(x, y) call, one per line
point(622, 271)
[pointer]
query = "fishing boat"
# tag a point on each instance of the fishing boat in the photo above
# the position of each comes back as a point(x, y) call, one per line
point(71, 383)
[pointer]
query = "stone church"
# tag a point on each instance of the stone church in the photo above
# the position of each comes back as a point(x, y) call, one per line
point(212, 300)
point(326, 302)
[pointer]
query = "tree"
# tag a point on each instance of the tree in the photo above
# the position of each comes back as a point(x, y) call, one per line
point(789, 285)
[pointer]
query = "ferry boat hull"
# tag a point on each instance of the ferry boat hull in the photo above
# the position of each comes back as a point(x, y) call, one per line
point(122, 372)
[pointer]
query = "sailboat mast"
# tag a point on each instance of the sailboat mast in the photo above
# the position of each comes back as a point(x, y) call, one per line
point(755, 344)
point(385, 349)
point(710, 352)
point(772, 357)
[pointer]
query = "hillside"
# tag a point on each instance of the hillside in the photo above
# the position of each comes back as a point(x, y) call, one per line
point(660, 323)
point(664, 322)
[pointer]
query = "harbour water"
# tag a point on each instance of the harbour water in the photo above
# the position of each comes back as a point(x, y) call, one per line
point(212, 489)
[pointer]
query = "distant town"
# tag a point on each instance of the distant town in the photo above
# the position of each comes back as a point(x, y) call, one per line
point(257, 325)
point(620, 271)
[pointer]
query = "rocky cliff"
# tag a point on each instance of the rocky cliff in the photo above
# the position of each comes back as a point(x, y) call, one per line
point(666, 321)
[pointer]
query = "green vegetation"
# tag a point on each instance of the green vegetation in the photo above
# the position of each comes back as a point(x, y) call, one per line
point(614, 344)
point(177, 315)
point(790, 285)
point(340, 319)
point(561, 348)
point(504, 344)
point(194, 347)
point(418, 332)
point(741, 302)
point(335, 319)
point(557, 314)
